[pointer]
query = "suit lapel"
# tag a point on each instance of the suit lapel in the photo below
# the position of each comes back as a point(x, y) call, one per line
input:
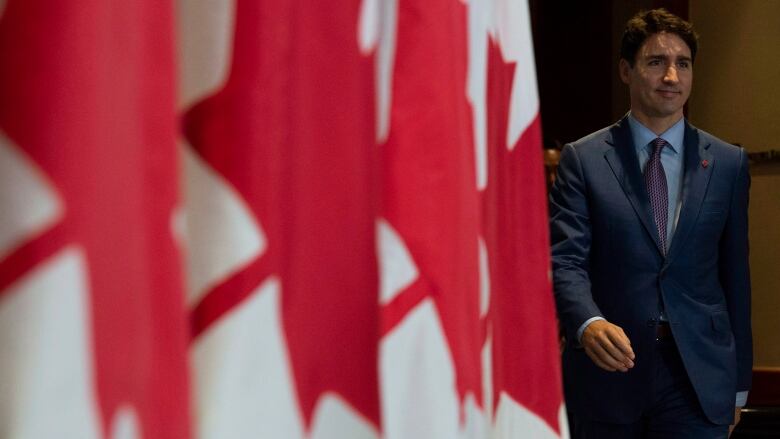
point(623, 160)
point(696, 178)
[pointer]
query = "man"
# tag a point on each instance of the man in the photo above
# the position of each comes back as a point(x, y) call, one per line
point(650, 257)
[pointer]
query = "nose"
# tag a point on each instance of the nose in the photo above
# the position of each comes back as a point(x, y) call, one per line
point(671, 75)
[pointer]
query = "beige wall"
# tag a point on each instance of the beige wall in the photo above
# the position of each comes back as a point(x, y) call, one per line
point(736, 96)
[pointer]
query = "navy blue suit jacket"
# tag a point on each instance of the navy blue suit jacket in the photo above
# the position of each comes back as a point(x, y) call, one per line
point(607, 262)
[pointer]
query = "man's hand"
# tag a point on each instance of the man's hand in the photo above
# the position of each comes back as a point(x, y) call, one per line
point(737, 416)
point(607, 345)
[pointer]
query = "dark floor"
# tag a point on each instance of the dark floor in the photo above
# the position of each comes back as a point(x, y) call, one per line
point(758, 423)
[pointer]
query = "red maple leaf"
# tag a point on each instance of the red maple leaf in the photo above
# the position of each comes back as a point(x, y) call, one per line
point(292, 131)
point(516, 232)
point(430, 193)
point(86, 91)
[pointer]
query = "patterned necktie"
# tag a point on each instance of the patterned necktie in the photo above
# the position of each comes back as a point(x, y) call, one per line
point(655, 180)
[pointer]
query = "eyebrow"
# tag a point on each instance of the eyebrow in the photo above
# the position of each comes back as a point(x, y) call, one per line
point(663, 57)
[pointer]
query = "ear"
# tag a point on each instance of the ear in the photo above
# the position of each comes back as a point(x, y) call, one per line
point(625, 69)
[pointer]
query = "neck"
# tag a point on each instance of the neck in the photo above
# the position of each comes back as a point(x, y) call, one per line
point(657, 125)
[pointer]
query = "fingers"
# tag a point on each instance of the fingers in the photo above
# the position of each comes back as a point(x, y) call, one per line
point(617, 354)
point(621, 341)
point(604, 360)
point(610, 356)
point(608, 346)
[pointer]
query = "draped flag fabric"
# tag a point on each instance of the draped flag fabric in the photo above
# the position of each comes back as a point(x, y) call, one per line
point(469, 334)
point(280, 160)
point(93, 340)
point(526, 397)
point(432, 338)
point(309, 220)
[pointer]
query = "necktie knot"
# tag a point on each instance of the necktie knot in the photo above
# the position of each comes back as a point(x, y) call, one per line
point(658, 145)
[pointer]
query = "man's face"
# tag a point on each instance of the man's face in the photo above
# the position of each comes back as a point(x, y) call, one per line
point(660, 81)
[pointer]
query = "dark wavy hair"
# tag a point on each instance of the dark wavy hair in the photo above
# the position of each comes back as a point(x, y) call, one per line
point(647, 23)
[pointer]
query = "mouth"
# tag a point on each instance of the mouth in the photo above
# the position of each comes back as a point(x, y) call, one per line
point(668, 93)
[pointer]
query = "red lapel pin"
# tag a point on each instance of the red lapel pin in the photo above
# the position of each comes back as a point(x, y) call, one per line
point(704, 163)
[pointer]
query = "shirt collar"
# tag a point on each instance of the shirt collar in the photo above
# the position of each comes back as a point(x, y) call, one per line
point(643, 136)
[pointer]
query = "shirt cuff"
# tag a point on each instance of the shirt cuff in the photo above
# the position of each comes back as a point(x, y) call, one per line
point(585, 325)
point(741, 398)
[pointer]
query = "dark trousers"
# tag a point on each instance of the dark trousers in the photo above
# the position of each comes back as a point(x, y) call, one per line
point(673, 411)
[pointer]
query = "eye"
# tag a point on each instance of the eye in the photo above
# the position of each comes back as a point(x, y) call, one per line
point(683, 64)
point(654, 62)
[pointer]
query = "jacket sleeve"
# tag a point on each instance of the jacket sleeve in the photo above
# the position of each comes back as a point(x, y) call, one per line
point(734, 272)
point(570, 235)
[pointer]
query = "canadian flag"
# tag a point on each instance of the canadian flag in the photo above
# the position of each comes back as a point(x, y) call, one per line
point(281, 170)
point(278, 140)
point(92, 323)
point(469, 333)
point(352, 195)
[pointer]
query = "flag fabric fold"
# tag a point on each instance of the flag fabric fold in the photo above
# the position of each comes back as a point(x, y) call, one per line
point(93, 336)
point(261, 219)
